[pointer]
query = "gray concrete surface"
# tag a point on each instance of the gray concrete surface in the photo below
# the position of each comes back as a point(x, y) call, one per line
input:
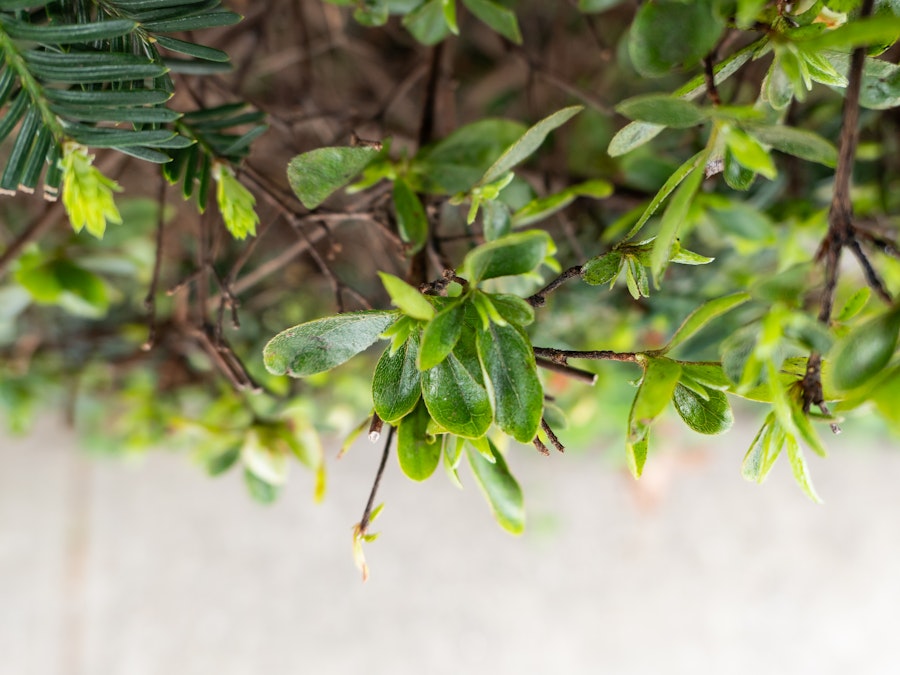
point(149, 567)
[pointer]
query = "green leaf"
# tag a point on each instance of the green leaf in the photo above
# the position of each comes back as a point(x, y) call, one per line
point(673, 182)
point(703, 315)
point(456, 163)
point(320, 345)
point(799, 468)
point(857, 33)
point(705, 416)
point(511, 379)
point(512, 308)
point(316, 175)
point(596, 6)
point(669, 33)
point(672, 220)
point(632, 136)
point(223, 461)
point(880, 87)
point(798, 142)
point(737, 177)
point(501, 490)
point(395, 384)
point(656, 390)
point(498, 17)
point(663, 110)
point(441, 335)
point(760, 456)
point(262, 492)
point(192, 49)
point(518, 253)
point(750, 153)
point(456, 400)
point(854, 305)
point(709, 374)
point(602, 269)
point(428, 23)
point(412, 223)
point(865, 351)
point(64, 34)
point(410, 301)
point(449, 10)
point(525, 146)
point(192, 22)
point(540, 209)
point(262, 458)
point(419, 454)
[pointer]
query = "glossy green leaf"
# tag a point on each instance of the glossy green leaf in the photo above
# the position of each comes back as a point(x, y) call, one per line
point(663, 110)
point(518, 253)
point(701, 316)
point(395, 384)
point(512, 308)
point(498, 17)
point(511, 379)
point(602, 269)
point(672, 220)
point(668, 33)
point(427, 22)
point(525, 146)
point(501, 490)
point(320, 345)
point(456, 163)
point(680, 174)
point(410, 301)
point(737, 176)
point(64, 34)
point(412, 222)
point(540, 209)
point(798, 142)
point(750, 153)
point(705, 416)
point(192, 49)
point(316, 175)
point(656, 389)
point(860, 32)
point(419, 454)
point(595, 6)
point(456, 400)
point(192, 22)
point(441, 335)
point(865, 351)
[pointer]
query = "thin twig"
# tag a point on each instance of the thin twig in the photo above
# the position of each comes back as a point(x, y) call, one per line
point(540, 298)
point(367, 513)
point(539, 444)
point(150, 300)
point(552, 436)
point(709, 77)
point(568, 371)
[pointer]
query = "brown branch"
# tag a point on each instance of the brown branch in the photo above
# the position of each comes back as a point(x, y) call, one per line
point(562, 356)
point(552, 436)
point(568, 371)
point(539, 444)
point(150, 300)
point(841, 232)
point(367, 513)
point(540, 298)
point(709, 77)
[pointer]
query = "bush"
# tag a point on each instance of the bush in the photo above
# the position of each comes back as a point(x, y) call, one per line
point(699, 242)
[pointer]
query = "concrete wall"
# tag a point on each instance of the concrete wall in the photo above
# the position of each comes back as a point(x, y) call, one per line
point(149, 567)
